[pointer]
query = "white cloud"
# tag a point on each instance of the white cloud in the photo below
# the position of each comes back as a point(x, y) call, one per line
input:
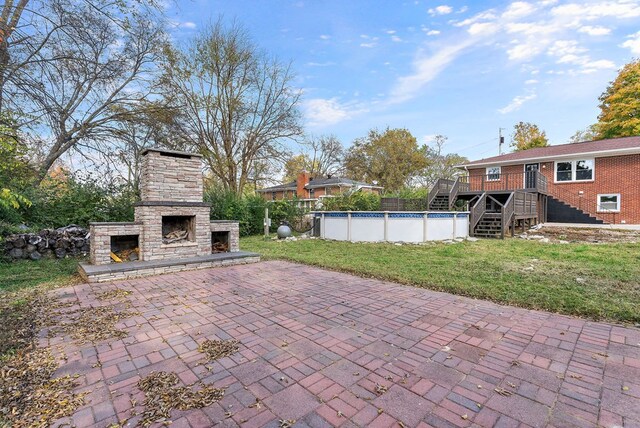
point(440, 10)
point(396, 39)
point(325, 37)
point(391, 31)
point(530, 82)
point(425, 69)
point(320, 111)
point(368, 45)
point(516, 103)
point(188, 24)
point(595, 30)
point(482, 28)
point(518, 9)
point(523, 51)
point(320, 64)
point(601, 9)
point(482, 16)
point(633, 43)
point(432, 33)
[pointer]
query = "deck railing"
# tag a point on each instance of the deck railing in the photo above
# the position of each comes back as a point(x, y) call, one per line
point(531, 181)
point(478, 209)
point(525, 203)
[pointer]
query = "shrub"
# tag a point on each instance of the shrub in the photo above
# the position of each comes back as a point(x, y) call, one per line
point(356, 201)
point(77, 200)
point(247, 210)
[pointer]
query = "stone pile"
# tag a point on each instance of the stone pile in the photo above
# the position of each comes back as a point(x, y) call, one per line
point(71, 240)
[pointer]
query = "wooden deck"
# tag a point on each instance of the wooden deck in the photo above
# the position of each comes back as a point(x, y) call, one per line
point(497, 203)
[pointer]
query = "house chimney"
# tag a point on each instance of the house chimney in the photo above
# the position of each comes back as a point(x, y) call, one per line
point(303, 179)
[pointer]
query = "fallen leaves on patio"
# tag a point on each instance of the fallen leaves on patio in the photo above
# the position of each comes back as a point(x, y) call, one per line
point(119, 293)
point(215, 349)
point(29, 397)
point(163, 395)
point(94, 324)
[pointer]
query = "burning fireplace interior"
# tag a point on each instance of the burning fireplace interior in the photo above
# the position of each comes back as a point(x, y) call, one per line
point(177, 229)
point(219, 242)
point(125, 248)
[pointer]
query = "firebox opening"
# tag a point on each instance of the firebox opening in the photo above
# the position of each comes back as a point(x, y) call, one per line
point(124, 248)
point(219, 242)
point(178, 229)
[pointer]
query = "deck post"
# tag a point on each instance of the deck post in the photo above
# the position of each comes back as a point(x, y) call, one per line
point(349, 226)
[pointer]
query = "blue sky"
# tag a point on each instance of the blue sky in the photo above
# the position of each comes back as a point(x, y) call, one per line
point(458, 68)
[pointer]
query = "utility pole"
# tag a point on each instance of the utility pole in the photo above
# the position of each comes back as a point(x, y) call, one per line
point(500, 140)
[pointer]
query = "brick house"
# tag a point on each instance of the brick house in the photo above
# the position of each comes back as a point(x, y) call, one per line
point(601, 178)
point(587, 182)
point(309, 190)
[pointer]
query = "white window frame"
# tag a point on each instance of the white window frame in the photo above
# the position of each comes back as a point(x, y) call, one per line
point(499, 173)
point(574, 170)
point(598, 202)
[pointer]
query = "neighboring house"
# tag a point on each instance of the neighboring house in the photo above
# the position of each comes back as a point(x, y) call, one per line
point(308, 190)
point(588, 182)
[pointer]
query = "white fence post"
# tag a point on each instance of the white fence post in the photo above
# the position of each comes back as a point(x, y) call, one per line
point(349, 226)
point(455, 218)
point(424, 227)
point(386, 226)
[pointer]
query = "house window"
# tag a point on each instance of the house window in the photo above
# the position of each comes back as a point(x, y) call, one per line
point(609, 203)
point(493, 173)
point(327, 190)
point(312, 193)
point(273, 196)
point(578, 170)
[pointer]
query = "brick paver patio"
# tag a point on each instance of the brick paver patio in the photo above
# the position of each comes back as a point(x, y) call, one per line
point(317, 344)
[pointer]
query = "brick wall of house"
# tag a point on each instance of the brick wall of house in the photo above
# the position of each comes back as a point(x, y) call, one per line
point(612, 175)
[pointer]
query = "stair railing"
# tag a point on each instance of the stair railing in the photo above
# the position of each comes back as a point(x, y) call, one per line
point(507, 211)
point(477, 211)
point(433, 193)
point(453, 193)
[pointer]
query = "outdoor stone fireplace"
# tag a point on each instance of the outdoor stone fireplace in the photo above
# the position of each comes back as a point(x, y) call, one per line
point(172, 230)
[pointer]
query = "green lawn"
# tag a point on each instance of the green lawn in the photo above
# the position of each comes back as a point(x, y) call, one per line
point(594, 281)
point(23, 274)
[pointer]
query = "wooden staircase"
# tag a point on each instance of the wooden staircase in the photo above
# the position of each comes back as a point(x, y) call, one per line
point(440, 203)
point(492, 211)
point(489, 225)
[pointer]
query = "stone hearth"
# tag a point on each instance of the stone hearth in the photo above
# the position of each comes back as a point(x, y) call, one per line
point(172, 229)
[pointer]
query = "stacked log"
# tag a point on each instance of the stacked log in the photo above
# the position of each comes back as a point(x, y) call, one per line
point(66, 241)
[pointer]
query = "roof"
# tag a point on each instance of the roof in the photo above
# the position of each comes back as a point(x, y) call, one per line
point(336, 181)
point(279, 187)
point(175, 153)
point(320, 182)
point(600, 148)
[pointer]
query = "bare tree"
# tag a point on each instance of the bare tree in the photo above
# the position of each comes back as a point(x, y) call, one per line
point(75, 66)
point(9, 19)
point(440, 165)
point(326, 154)
point(237, 105)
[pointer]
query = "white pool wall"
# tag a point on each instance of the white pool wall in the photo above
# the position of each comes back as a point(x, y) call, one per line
point(393, 226)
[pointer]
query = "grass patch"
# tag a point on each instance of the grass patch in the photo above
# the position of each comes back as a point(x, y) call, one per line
point(28, 273)
point(600, 282)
